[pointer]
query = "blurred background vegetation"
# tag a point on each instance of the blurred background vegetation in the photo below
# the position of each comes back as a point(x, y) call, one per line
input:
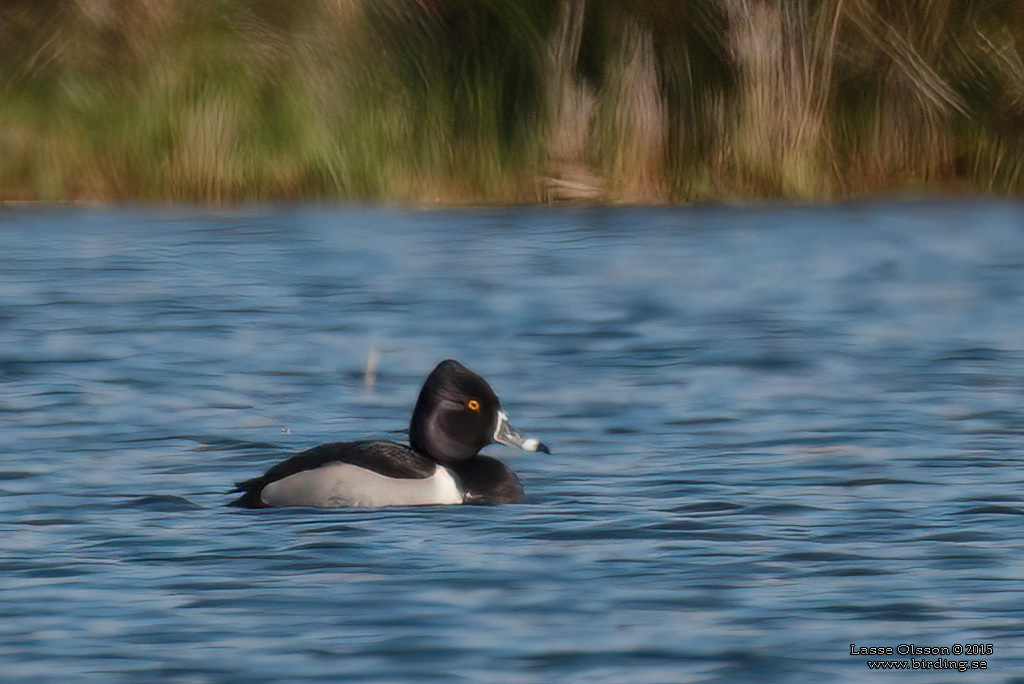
point(508, 100)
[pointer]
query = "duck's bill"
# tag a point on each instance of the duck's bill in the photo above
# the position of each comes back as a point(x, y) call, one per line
point(505, 434)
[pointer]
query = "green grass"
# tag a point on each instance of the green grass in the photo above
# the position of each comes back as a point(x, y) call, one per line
point(508, 100)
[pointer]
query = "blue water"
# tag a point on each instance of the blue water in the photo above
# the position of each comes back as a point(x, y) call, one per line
point(777, 431)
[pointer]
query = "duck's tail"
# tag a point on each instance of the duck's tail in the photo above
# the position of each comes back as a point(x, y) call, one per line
point(251, 490)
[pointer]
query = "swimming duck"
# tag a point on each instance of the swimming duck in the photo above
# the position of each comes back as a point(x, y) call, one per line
point(456, 415)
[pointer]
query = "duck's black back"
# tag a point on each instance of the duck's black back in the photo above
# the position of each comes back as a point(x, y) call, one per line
point(380, 456)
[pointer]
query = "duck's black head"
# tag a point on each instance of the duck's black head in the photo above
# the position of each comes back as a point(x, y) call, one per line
point(458, 414)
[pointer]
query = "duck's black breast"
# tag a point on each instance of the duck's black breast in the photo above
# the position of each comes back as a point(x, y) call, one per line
point(383, 457)
point(487, 480)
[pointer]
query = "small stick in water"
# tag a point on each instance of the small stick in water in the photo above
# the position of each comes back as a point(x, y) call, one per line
point(370, 371)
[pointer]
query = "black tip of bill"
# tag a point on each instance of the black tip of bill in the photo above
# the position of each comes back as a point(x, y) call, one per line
point(534, 444)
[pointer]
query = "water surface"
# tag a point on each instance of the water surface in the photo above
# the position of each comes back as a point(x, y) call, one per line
point(777, 431)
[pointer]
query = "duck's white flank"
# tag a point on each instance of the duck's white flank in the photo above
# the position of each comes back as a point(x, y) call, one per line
point(343, 484)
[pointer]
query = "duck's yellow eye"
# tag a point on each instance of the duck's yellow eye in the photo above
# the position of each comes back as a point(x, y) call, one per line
point(473, 405)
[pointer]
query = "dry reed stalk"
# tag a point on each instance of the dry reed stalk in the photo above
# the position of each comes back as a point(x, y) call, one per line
point(778, 127)
point(570, 105)
point(910, 140)
point(632, 119)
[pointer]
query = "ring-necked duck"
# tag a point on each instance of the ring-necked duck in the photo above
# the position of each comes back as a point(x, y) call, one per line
point(457, 414)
